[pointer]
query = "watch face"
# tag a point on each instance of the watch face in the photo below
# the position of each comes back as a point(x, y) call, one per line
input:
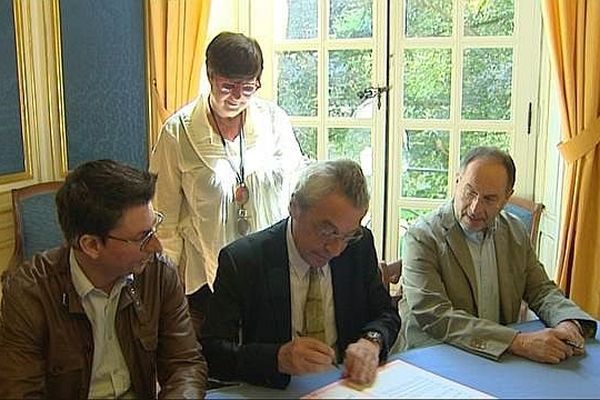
point(373, 336)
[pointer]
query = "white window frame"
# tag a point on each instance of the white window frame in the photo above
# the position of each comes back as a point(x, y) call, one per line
point(526, 67)
point(262, 29)
point(525, 91)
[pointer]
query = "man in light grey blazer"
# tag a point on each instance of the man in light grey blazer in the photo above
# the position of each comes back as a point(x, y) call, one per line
point(468, 265)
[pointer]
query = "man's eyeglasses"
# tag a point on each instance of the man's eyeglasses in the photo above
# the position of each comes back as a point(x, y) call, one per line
point(143, 242)
point(469, 195)
point(330, 234)
point(246, 88)
point(241, 195)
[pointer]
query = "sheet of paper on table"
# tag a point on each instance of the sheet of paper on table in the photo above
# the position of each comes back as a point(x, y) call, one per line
point(399, 379)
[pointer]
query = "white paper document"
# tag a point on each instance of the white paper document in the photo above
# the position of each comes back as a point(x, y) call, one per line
point(397, 380)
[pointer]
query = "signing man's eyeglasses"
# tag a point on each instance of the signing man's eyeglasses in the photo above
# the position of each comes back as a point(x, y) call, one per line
point(148, 235)
point(330, 234)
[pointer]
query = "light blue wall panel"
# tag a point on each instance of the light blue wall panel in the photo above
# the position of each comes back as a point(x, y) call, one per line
point(104, 67)
point(11, 138)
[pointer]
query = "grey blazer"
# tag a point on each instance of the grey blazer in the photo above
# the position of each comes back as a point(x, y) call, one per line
point(440, 289)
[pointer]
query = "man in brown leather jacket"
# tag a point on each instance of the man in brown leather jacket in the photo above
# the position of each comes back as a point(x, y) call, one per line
point(105, 315)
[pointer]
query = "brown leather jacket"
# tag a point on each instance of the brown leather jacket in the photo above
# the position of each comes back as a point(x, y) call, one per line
point(46, 342)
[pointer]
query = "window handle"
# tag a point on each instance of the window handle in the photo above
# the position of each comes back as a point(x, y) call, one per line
point(372, 92)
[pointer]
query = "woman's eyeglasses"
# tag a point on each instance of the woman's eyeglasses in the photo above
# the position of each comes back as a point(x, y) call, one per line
point(241, 195)
point(246, 88)
point(143, 242)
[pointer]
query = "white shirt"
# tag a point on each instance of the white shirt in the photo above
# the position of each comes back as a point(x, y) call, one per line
point(196, 183)
point(110, 375)
point(299, 281)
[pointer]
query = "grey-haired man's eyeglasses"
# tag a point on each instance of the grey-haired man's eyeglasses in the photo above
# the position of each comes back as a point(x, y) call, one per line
point(328, 234)
point(143, 242)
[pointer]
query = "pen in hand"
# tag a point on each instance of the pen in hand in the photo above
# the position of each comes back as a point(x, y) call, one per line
point(333, 360)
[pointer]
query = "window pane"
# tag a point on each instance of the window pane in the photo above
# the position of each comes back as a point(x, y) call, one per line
point(487, 77)
point(307, 139)
point(428, 18)
point(489, 18)
point(302, 19)
point(425, 164)
point(354, 144)
point(297, 82)
point(427, 76)
point(470, 139)
point(365, 108)
point(350, 19)
point(349, 74)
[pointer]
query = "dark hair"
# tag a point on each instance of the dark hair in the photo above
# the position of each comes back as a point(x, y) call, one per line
point(325, 177)
point(492, 153)
point(95, 195)
point(234, 56)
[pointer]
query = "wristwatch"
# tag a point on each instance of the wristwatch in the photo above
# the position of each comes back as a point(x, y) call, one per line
point(374, 337)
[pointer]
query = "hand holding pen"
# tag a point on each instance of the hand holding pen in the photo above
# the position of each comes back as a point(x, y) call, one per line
point(304, 355)
point(333, 359)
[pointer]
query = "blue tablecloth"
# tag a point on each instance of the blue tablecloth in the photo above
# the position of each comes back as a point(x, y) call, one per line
point(512, 377)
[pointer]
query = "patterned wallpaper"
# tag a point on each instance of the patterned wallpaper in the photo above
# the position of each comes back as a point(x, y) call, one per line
point(11, 139)
point(104, 74)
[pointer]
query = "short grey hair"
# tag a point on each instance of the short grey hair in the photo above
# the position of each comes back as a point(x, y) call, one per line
point(325, 177)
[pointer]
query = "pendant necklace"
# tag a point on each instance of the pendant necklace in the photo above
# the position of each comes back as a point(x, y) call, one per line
point(241, 193)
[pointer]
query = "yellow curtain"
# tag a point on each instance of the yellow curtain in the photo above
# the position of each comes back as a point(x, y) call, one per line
point(177, 35)
point(573, 30)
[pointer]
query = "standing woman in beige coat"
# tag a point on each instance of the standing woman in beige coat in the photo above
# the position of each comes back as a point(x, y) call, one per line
point(225, 163)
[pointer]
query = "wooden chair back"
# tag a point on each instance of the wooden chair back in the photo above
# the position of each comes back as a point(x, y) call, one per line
point(529, 212)
point(390, 274)
point(36, 226)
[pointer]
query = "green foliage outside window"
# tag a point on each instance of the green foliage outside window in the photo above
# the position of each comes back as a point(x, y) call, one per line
point(349, 73)
point(488, 17)
point(486, 86)
point(297, 82)
point(302, 19)
point(307, 139)
point(427, 83)
point(340, 137)
point(350, 19)
point(425, 164)
point(470, 139)
point(427, 18)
